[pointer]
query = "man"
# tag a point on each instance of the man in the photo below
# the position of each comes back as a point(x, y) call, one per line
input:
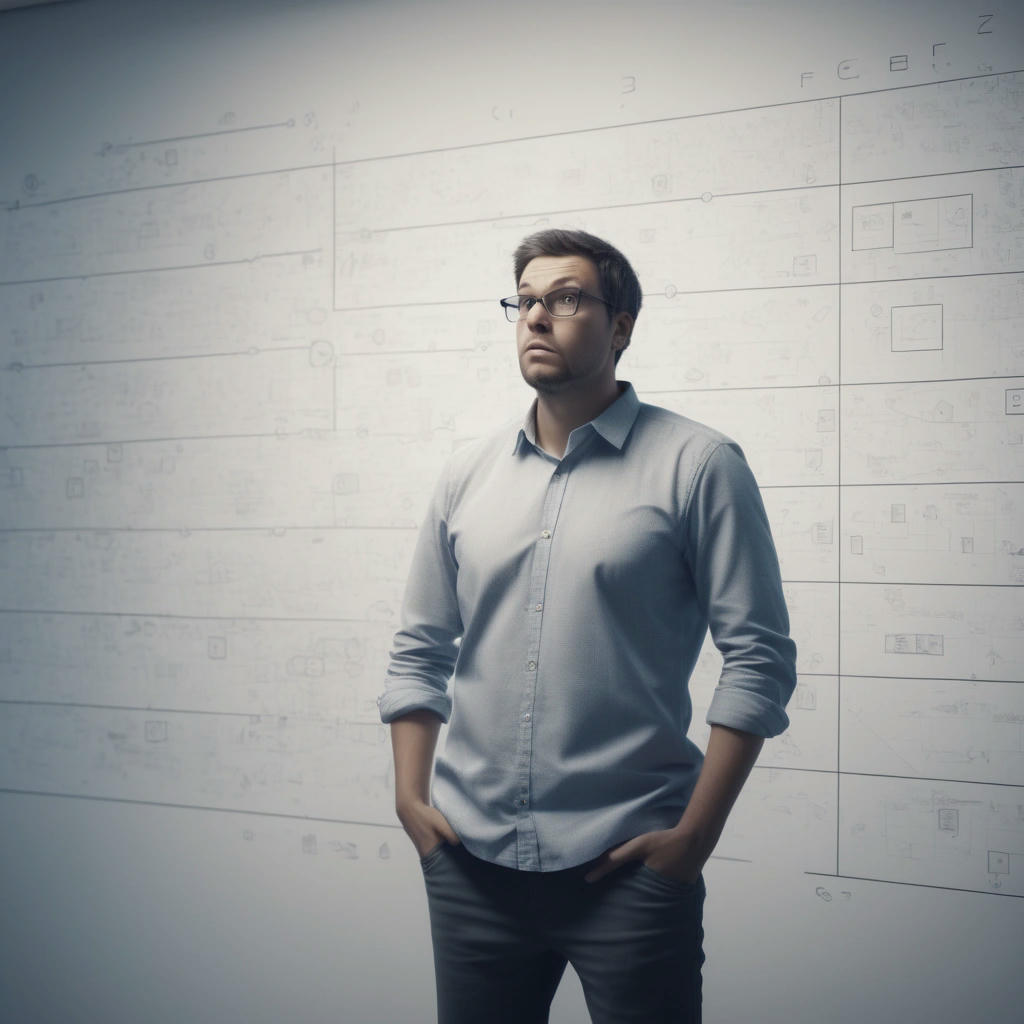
point(564, 579)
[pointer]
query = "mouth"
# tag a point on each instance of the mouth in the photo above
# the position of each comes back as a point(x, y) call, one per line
point(536, 346)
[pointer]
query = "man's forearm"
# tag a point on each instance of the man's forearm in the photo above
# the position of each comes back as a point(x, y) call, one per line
point(730, 757)
point(413, 741)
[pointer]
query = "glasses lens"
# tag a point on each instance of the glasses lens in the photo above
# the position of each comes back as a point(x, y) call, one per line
point(564, 302)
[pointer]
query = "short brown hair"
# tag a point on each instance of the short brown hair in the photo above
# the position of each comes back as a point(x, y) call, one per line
point(619, 283)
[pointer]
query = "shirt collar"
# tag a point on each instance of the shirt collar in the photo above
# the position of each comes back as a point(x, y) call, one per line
point(614, 424)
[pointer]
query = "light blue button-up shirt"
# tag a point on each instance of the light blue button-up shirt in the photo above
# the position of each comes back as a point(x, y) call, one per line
point(554, 612)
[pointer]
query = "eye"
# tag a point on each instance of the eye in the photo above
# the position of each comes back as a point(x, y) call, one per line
point(565, 300)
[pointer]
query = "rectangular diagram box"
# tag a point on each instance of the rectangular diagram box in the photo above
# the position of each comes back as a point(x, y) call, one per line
point(933, 329)
point(947, 431)
point(958, 730)
point(932, 632)
point(916, 328)
point(940, 128)
point(934, 225)
point(953, 835)
point(953, 226)
point(934, 533)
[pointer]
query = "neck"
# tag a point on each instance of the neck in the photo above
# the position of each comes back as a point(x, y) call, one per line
point(559, 414)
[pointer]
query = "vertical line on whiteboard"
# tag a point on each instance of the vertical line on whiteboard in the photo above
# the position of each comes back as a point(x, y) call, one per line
point(334, 276)
point(839, 481)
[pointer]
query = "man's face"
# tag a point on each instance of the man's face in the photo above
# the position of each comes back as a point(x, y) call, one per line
point(557, 354)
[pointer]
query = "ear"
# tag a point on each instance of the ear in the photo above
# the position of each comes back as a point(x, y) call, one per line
point(622, 331)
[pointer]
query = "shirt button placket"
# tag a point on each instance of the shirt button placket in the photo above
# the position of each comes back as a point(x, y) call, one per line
point(528, 853)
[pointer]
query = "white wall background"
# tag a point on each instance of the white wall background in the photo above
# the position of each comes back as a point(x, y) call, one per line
point(249, 258)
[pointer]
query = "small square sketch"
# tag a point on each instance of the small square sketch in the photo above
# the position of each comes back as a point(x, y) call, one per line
point(949, 820)
point(826, 421)
point(857, 545)
point(1015, 401)
point(898, 513)
point(75, 487)
point(998, 862)
point(916, 328)
point(309, 844)
point(805, 266)
point(967, 545)
point(156, 732)
point(873, 227)
point(823, 533)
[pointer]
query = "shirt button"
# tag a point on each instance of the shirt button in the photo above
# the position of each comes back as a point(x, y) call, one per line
point(538, 607)
point(546, 534)
point(526, 717)
point(531, 665)
point(522, 803)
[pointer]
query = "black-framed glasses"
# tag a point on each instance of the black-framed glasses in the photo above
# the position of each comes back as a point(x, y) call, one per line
point(560, 302)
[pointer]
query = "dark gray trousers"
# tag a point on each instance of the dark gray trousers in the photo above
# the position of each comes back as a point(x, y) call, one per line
point(502, 939)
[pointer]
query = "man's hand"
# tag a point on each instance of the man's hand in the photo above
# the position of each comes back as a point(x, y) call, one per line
point(426, 826)
point(681, 852)
point(669, 852)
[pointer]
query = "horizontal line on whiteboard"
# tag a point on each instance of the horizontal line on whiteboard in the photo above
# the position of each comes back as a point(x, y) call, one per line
point(182, 711)
point(103, 443)
point(704, 291)
point(900, 483)
point(249, 353)
point(174, 616)
point(910, 679)
point(914, 583)
point(262, 529)
point(916, 885)
point(845, 384)
point(530, 215)
point(882, 775)
point(120, 146)
point(211, 265)
point(928, 778)
point(17, 205)
point(127, 190)
point(196, 807)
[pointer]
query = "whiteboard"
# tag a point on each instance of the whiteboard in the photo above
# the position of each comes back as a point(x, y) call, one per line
point(249, 262)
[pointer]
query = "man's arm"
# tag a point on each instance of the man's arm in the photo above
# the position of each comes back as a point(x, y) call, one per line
point(413, 740)
point(682, 851)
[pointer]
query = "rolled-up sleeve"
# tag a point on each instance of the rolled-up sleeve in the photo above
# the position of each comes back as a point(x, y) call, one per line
point(425, 648)
point(736, 573)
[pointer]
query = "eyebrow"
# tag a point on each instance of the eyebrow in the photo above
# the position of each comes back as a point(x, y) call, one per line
point(554, 284)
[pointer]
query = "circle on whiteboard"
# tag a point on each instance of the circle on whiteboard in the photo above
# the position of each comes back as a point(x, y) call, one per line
point(31, 183)
point(321, 353)
point(671, 291)
point(706, 197)
point(876, 309)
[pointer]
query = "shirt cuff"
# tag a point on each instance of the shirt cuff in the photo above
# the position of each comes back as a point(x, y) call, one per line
point(747, 711)
point(396, 703)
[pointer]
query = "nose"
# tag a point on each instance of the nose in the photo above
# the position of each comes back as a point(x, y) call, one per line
point(538, 317)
